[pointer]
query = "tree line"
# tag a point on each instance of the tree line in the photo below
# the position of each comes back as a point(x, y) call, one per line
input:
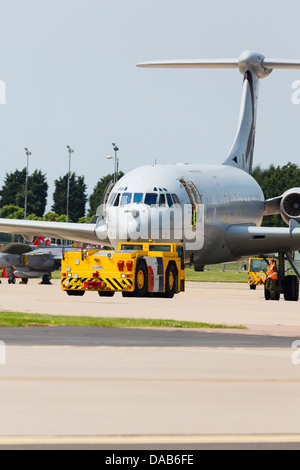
point(12, 197)
point(274, 181)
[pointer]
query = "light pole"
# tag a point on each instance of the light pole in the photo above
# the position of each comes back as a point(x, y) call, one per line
point(26, 182)
point(69, 175)
point(116, 170)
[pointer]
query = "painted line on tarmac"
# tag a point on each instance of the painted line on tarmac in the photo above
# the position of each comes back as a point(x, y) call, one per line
point(158, 348)
point(145, 379)
point(152, 439)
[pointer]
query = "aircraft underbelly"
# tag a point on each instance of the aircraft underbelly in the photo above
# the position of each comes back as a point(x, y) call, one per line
point(30, 274)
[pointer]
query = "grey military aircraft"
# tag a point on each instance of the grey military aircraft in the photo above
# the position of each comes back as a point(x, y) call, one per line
point(215, 210)
point(30, 261)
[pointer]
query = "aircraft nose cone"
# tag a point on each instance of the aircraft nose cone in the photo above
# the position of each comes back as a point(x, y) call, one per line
point(102, 232)
point(123, 224)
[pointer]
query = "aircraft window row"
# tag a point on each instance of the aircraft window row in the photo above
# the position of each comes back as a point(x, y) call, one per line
point(151, 199)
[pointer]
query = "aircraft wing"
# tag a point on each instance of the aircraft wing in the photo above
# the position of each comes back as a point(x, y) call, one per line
point(245, 240)
point(44, 260)
point(85, 233)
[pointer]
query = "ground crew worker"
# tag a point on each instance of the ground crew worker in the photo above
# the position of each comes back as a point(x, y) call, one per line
point(272, 276)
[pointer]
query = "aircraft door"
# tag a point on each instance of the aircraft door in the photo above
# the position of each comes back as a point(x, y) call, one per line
point(107, 192)
point(193, 215)
point(195, 201)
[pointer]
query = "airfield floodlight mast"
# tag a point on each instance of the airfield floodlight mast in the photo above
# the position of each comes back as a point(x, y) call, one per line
point(69, 176)
point(116, 170)
point(26, 182)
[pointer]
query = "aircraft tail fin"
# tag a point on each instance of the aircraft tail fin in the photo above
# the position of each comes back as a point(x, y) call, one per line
point(241, 153)
point(253, 66)
point(42, 242)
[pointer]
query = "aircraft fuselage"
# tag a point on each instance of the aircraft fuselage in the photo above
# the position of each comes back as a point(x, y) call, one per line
point(184, 202)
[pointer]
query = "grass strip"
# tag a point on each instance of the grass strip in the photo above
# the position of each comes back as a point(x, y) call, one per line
point(18, 319)
point(216, 276)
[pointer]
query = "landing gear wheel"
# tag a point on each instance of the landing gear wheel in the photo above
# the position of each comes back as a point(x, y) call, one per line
point(291, 288)
point(46, 279)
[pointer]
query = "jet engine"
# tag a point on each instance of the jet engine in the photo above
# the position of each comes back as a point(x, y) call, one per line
point(290, 205)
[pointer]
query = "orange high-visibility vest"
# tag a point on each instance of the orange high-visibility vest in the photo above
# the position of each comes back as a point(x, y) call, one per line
point(271, 273)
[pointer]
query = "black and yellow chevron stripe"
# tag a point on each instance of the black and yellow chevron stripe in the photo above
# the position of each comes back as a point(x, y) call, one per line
point(113, 283)
point(74, 283)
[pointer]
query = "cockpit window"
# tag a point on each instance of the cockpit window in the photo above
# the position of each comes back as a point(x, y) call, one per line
point(111, 199)
point(117, 200)
point(126, 199)
point(151, 199)
point(175, 199)
point(162, 200)
point(137, 198)
point(169, 199)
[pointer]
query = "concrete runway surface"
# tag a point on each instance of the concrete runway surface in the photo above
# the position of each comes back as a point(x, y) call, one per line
point(105, 388)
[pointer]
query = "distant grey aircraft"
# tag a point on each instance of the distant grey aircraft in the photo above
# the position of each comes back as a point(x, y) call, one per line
point(28, 261)
point(216, 210)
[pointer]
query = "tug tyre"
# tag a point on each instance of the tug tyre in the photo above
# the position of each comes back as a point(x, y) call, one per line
point(78, 293)
point(171, 281)
point(141, 279)
point(106, 293)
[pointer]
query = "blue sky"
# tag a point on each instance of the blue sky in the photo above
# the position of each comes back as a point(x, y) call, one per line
point(71, 79)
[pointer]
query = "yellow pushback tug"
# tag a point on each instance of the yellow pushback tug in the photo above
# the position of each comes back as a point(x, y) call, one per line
point(135, 269)
point(257, 271)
